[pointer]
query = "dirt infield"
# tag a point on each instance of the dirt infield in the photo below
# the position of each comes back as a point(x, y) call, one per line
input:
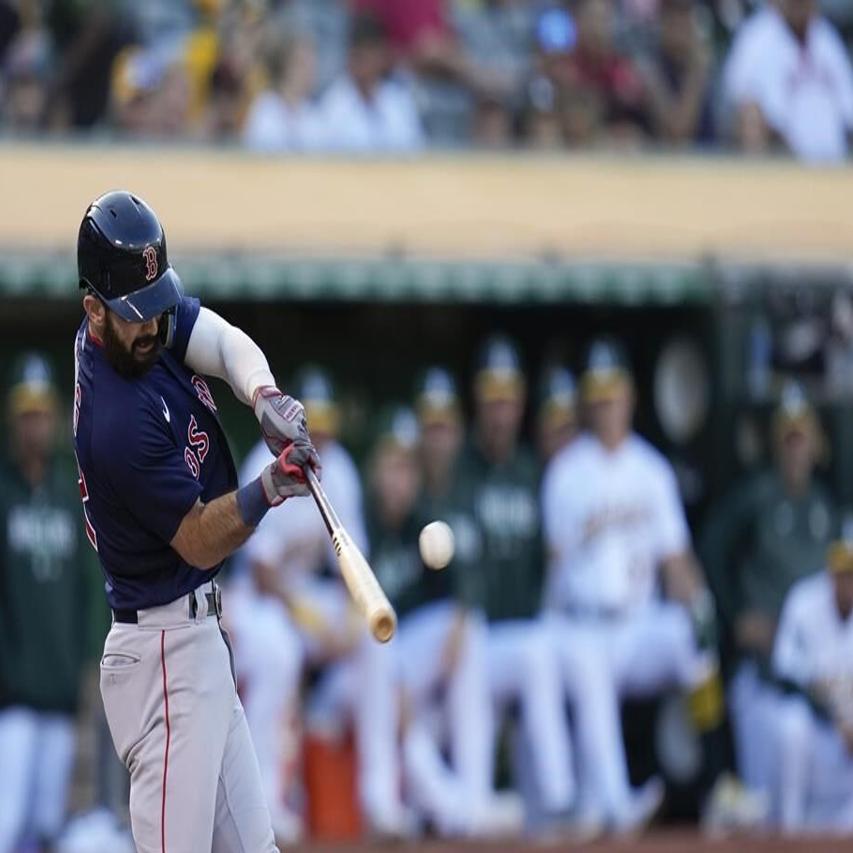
point(659, 842)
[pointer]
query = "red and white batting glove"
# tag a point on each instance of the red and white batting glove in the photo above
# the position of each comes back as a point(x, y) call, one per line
point(285, 477)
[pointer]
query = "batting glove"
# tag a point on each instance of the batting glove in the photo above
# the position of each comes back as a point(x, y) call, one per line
point(285, 477)
point(282, 418)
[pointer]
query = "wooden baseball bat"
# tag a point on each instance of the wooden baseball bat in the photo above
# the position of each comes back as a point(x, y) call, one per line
point(368, 596)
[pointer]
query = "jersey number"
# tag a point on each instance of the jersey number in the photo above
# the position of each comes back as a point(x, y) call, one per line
point(199, 447)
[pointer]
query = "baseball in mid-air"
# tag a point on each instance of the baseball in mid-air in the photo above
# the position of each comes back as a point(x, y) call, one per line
point(436, 545)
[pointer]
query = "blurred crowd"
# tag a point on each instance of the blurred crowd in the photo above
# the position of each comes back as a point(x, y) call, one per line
point(575, 588)
point(402, 75)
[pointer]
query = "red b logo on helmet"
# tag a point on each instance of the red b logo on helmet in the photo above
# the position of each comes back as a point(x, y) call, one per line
point(150, 255)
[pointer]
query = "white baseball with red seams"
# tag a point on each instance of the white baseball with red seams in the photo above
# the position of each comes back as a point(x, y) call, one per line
point(436, 544)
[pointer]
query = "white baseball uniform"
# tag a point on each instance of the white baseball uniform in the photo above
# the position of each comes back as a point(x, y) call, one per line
point(610, 518)
point(814, 769)
point(272, 646)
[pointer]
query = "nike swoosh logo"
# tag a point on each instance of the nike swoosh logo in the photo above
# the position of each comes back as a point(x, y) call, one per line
point(166, 411)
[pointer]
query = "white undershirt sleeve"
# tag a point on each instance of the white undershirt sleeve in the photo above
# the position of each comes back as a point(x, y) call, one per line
point(216, 348)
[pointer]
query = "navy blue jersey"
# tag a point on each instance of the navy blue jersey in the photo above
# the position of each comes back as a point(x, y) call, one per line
point(147, 450)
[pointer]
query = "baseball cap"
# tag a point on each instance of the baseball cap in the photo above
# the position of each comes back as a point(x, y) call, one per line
point(839, 557)
point(436, 398)
point(606, 370)
point(313, 388)
point(558, 396)
point(398, 428)
point(499, 374)
point(794, 414)
point(32, 387)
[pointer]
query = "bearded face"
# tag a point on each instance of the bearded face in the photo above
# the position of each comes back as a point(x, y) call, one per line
point(131, 348)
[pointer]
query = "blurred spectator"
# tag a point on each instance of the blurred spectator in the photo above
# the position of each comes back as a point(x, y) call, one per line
point(602, 96)
point(368, 109)
point(813, 723)
point(87, 36)
point(557, 418)
point(767, 534)
point(44, 597)
point(284, 117)
point(788, 79)
point(501, 476)
point(24, 95)
point(555, 38)
point(497, 37)
point(326, 23)
point(151, 96)
point(678, 76)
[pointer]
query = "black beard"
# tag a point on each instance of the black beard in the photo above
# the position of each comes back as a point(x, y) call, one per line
point(126, 362)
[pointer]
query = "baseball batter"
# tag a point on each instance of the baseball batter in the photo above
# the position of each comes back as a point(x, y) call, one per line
point(161, 509)
point(613, 520)
point(813, 659)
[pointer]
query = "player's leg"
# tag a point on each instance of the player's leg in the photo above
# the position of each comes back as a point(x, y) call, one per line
point(522, 657)
point(54, 763)
point(242, 821)
point(793, 728)
point(269, 660)
point(18, 745)
point(434, 789)
point(830, 808)
point(168, 696)
point(471, 713)
point(376, 716)
point(587, 650)
point(751, 708)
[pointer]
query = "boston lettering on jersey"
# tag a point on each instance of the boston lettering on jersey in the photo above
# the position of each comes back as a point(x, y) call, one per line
point(147, 450)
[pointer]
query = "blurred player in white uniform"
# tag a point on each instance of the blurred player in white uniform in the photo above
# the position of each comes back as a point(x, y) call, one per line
point(288, 615)
point(813, 660)
point(615, 529)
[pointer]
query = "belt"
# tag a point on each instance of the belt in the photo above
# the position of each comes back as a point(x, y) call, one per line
point(594, 613)
point(214, 608)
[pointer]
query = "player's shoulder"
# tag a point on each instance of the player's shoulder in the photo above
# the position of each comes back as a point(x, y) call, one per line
point(578, 452)
point(809, 593)
point(647, 457)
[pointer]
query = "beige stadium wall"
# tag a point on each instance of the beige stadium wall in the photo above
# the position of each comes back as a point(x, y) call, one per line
point(450, 206)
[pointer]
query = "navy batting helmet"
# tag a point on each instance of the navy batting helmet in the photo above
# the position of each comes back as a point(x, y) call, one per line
point(121, 258)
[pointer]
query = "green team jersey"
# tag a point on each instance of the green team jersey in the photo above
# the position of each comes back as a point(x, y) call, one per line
point(760, 541)
point(45, 583)
point(504, 500)
point(395, 558)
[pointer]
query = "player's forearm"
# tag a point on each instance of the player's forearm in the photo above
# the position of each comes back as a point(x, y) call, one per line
point(211, 532)
point(216, 348)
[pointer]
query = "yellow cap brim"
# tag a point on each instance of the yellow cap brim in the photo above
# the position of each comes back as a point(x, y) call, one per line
point(499, 386)
point(24, 399)
point(322, 418)
point(839, 558)
point(431, 415)
point(554, 415)
point(601, 385)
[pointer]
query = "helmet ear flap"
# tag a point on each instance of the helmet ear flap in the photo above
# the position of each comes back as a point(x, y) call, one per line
point(166, 329)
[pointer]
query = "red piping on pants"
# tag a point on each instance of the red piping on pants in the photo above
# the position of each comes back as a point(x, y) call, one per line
point(168, 739)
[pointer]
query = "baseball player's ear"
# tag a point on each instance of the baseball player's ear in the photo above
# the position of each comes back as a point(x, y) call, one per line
point(95, 310)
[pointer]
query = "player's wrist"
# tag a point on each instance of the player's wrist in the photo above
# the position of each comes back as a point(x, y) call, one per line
point(253, 502)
